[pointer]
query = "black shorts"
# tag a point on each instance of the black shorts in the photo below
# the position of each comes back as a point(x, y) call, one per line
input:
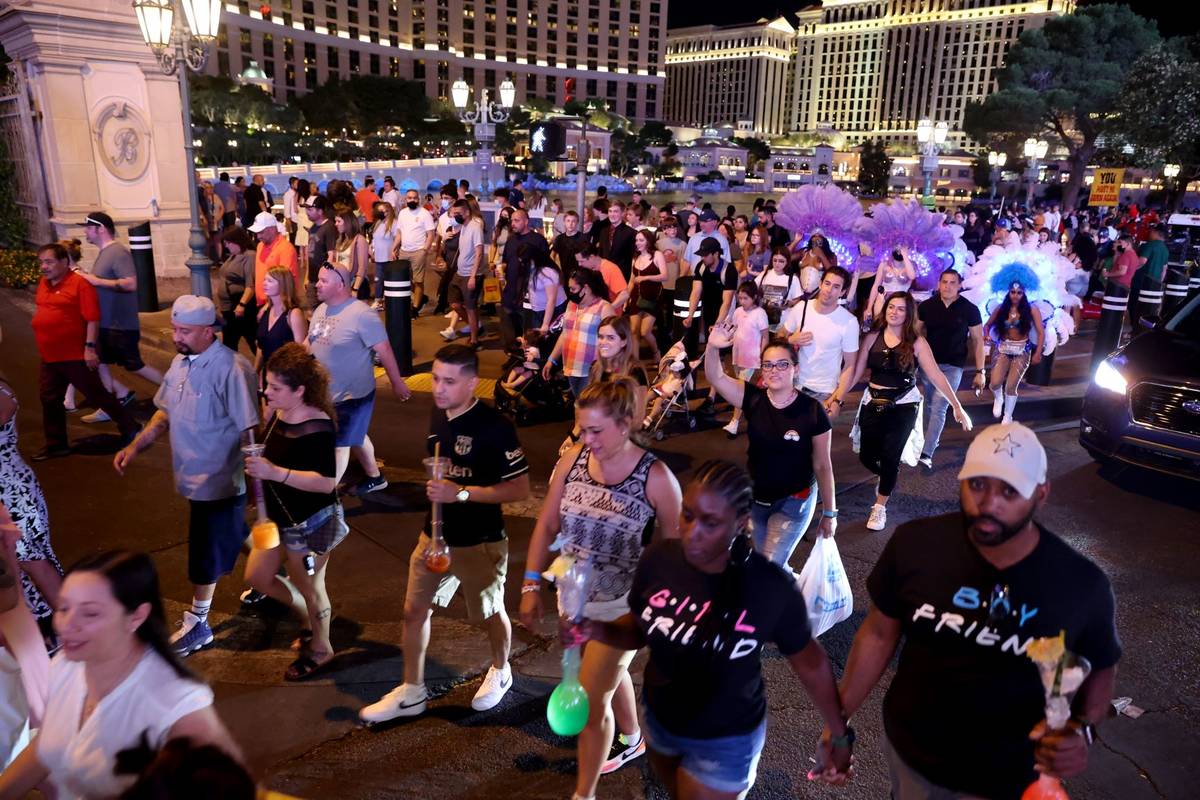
point(216, 531)
point(121, 348)
point(460, 294)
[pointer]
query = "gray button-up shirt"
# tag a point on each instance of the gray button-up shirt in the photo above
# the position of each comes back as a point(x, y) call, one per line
point(209, 399)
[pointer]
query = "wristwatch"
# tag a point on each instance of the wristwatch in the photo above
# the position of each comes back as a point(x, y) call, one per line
point(1087, 730)
point(90, 345)
point(463, 495)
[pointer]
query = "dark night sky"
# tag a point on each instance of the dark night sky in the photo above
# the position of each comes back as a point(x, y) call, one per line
point(1174, 18)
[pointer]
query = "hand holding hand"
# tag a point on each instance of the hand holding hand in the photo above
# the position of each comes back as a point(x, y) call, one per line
point(834, 766)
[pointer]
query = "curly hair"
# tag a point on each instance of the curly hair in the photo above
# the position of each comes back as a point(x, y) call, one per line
point(295, 367)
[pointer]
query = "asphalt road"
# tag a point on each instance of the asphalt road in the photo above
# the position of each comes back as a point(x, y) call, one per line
point(303, 739)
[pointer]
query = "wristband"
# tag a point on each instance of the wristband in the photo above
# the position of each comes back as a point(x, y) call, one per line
point(829, 514)
point(533, 575)
point(530, 588)
point(90, 345)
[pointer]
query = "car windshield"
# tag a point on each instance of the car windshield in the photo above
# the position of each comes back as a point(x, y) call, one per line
point(1186, 321)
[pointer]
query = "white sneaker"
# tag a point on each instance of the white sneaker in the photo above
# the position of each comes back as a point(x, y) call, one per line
point(496, 684)
point(925, 461)
point(449, 334)
point(96, 416)
point(403, 701)
point(1006, 419)
point(997, 405)
point(878, 519)
point(730, 428)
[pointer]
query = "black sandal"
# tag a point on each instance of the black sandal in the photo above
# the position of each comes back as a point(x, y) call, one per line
point(304, 668)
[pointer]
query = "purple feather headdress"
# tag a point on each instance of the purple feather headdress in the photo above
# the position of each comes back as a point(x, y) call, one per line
point(907, 223)
point(826, 207)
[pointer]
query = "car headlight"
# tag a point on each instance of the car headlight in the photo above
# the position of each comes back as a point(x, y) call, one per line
point(1107, 377)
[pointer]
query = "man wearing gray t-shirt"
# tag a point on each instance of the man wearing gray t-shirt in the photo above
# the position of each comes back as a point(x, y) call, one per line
point(343, 334)
point(115, 280)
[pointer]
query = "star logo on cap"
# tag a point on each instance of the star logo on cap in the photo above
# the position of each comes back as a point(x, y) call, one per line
point(1006, 445)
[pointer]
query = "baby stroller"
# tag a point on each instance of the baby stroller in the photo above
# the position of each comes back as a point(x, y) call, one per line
point(534, 399)
point(669, 394)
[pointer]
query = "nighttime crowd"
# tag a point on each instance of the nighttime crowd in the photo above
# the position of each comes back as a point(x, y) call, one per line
point(637, 318)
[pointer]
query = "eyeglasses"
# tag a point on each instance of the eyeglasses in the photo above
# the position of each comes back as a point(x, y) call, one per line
point(776, 366)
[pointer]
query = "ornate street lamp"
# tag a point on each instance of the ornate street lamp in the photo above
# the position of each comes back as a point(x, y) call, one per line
point(996, 161)
point(172, 42)
point(485, 116)
point(931, 137)
point(1035, 151)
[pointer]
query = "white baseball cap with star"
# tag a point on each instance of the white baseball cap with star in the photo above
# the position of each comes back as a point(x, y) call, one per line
point(1011, 453)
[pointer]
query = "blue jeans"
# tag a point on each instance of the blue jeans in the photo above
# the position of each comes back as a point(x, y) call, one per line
point(577, 384)
point(727, 764)
point(937, 405)
point(777, 528)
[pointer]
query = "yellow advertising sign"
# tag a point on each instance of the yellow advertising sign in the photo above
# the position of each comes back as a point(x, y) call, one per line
point(1106, 187)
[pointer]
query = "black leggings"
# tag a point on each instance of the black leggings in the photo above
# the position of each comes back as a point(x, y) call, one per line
point(884, 434)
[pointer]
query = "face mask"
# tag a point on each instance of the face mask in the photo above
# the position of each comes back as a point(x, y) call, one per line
point(574, 297)
point(379, 215)
point(412, 205)
point(458, 218)
point(445, 204)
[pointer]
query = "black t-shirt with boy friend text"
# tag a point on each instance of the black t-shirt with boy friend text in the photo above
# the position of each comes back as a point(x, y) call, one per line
point(482, 446)
point(965, 695)
point(706, 634)
point(780, 460)
point(947, 328)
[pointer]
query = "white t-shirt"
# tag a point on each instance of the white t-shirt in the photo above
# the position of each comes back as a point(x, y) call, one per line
point(381, 240)
point(821, 359)
point(775, 290)
point(414, 227)
point(151, 699)
point(395, 198)
point(747, 338)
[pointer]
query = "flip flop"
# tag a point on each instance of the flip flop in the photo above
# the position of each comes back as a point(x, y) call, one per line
point(304, 668)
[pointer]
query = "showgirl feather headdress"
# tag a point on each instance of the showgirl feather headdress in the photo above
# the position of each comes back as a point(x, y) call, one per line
point(930, 242)
point(832, 211)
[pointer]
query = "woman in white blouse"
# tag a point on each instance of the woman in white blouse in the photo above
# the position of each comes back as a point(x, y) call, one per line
point(115, 680)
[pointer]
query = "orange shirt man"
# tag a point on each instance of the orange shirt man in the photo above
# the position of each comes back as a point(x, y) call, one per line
point(366, 200)
point(274, 250)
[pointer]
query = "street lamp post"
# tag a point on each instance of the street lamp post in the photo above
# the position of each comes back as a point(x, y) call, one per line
point(931, 137)
point(1035, 151)
point(174, 43)
point(996, 161)
point(485, 116)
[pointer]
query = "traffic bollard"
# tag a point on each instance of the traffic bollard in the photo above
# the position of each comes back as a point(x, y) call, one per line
point(1175, 291)
point(1112, 318)
point(142, 250)
point(397, 309)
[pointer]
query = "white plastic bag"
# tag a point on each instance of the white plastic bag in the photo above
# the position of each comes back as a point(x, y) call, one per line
point(825, 586)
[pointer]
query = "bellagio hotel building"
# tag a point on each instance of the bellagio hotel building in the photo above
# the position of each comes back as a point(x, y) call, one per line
point(869, 69)
point(605, 50)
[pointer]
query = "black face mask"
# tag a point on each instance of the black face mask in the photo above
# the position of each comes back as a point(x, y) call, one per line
point(379, 216)
point(412, 205)
point(574, 297)
point(458, 218)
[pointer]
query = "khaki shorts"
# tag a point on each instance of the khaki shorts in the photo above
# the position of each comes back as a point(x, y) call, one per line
point(416, 260)
point(480, 570)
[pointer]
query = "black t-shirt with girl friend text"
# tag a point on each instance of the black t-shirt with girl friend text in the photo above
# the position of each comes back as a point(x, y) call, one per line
point(482, 446)
point(965, 695)
point(780, 460)
point(706, 635)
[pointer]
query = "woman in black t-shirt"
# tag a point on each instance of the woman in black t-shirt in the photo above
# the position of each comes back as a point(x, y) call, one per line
point(790, 438)
point(299, 471)
point(704, 701)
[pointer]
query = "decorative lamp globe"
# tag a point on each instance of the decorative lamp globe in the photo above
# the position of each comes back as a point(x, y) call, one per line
point(156, 18)
point(459, 92)
point(508, 93)
point(203, 19)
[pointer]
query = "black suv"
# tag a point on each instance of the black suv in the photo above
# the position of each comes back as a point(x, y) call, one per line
point(1143, 405)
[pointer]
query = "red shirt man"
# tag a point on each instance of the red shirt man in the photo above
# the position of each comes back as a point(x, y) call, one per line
point(366, 199)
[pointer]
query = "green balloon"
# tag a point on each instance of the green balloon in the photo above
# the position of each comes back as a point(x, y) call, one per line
point(567, 711)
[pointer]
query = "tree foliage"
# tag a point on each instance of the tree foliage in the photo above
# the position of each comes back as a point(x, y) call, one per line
point(874, 167)
point(981, 173)
point(759, 151)
point(365, 103)
point(1063, 81)
point(656, 133)
point(1158, 119)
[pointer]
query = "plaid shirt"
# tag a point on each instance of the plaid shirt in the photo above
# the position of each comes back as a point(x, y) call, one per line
point(580, 326)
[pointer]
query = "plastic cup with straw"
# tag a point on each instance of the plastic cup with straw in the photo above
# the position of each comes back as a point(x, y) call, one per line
point(265, 533)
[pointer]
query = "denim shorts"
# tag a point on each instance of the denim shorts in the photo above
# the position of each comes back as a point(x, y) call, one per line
point(726, 764)
point(353, 419)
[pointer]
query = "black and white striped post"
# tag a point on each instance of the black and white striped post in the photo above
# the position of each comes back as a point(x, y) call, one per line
point(397, 312)
point(142, 250)
point(1112, 317)
point(1194, 281)
point(1175, 291)
point(1149, 302)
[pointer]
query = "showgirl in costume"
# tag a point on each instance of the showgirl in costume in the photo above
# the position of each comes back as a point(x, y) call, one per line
point(829, 216)
point(1021, 291)
point(913, 246)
